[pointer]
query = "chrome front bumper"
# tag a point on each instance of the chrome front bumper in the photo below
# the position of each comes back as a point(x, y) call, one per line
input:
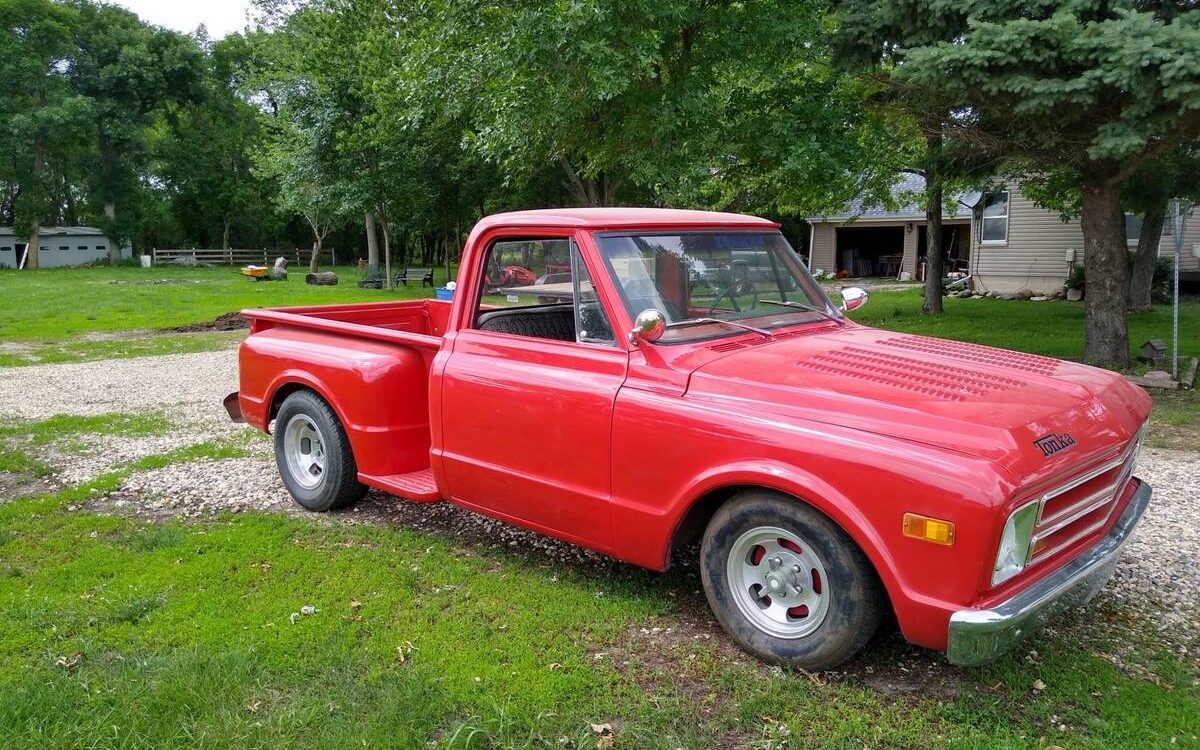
point(978, 636)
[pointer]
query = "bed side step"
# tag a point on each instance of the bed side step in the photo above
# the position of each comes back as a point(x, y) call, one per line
point(418, 486)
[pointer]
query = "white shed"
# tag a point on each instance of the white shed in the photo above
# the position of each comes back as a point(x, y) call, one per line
point(58, 247)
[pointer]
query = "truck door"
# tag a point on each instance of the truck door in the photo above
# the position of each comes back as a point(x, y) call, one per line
point(527, 397)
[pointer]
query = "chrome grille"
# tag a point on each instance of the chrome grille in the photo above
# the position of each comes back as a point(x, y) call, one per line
point(1082, 506)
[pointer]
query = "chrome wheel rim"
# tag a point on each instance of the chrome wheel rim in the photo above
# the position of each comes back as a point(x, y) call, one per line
point(304, 451)
point(778, 582)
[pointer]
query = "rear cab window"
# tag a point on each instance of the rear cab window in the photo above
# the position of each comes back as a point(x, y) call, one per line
point(540, 288)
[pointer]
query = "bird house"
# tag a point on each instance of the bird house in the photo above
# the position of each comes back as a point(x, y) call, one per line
point(1153, 352)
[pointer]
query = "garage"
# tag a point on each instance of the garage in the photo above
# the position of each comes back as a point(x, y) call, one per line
point(869, 251)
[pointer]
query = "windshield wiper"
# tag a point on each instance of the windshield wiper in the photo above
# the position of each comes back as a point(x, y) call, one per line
point(705, 321)
point(801, 306)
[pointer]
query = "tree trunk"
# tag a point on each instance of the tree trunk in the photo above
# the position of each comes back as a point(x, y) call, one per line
point(315, 261)
point(39, 164)
point(586, 191)
point(225, 235)
point(1106, 266)
point(932, 305)
point(1141, 271)
point(31, 250)
point(114, 245)
point(321, 278)
point(387, 254)
point(372, 241)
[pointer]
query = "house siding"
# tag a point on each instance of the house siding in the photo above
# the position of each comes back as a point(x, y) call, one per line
point(1035, 255)
point(50, 242)
point(822, 247)
point(1188, 262)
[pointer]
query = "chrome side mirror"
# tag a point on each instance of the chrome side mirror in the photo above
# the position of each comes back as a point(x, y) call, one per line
point(648, 326)
point(854, 297)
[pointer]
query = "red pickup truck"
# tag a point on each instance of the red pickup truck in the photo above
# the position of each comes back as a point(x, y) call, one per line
point(632, 380)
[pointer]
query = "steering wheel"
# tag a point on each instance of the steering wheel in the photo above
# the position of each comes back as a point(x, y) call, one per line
point(731, 291)
point(726, 291)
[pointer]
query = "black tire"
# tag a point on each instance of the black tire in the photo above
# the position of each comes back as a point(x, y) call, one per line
point(336, 485)
point(855, 603)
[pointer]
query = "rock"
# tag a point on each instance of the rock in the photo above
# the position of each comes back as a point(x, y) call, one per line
point(1039, 298)
point(1006, 295)
point(1157, 375)
point(964, 294)
point(1025, 294)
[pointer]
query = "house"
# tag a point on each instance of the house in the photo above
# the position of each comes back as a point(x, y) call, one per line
point(1002, 239)
point(58, 246)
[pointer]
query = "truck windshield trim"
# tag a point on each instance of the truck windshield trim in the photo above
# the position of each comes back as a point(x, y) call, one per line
point(721, 275)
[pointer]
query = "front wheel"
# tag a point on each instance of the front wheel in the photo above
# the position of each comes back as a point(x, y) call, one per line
point(787, 584)
point(313, 454)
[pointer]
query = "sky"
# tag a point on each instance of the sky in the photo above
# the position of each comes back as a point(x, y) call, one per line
point(220, 16)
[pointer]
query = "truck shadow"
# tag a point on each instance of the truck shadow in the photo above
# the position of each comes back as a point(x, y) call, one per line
point(888, 665)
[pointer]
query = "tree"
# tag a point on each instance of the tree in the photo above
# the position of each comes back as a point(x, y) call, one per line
point(718, 104)
point(128, 70)
point(1147, 193)
point(202, 150)
point(874, 36)
point(43, 118)
point(1094, 89)
point(293, 159)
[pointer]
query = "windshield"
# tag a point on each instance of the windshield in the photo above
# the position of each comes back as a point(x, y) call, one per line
point(734, 276)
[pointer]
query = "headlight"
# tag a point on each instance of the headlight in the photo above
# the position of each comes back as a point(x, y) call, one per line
point(1014, 543)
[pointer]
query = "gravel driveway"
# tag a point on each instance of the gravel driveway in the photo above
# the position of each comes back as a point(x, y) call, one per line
point(1156, 589)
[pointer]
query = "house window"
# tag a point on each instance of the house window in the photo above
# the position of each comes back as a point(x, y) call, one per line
point(83, 247)
point(101, 247)
point(1133, 228)
point(64, 247)
point(995, 218)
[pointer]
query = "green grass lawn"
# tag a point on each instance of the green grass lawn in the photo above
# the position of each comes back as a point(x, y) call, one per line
point(74, 314)
point(122, 634)
point(1053, 328)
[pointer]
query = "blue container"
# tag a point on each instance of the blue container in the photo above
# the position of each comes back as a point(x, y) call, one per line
point(444, 293)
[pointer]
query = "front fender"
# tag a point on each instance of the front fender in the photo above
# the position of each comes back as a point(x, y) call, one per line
point(800, 484)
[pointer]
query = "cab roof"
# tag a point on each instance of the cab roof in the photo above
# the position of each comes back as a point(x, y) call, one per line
point(622, 218)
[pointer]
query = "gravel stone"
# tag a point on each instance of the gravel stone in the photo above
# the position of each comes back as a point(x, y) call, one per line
point(197, 381)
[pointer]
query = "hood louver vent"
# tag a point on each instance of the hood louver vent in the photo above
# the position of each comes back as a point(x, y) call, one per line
point(946, 383)
point(985, 355)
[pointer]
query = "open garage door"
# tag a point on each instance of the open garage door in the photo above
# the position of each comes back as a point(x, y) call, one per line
point(870, 251)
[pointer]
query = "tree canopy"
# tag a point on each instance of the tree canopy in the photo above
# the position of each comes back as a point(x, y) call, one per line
point(369, 123)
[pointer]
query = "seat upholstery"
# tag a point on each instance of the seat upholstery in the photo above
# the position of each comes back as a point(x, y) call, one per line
point(543, 322)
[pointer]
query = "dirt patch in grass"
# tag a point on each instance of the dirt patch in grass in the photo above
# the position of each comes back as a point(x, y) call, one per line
point(16, 484)
point(155, 282)
point(232, 321)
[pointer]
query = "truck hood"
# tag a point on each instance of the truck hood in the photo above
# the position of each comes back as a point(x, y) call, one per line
point(1035, 416)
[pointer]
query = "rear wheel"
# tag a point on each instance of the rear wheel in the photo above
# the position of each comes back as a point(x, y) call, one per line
point(313, 454)
point(787, 584)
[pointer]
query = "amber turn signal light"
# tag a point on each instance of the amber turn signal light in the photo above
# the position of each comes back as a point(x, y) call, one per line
point(928, 529)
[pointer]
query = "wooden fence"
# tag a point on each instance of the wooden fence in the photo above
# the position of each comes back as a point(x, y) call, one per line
point(297, 257)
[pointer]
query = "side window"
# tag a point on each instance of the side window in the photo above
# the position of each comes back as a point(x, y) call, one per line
point(540, 288)
point(591, 324)
point(995, 218)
